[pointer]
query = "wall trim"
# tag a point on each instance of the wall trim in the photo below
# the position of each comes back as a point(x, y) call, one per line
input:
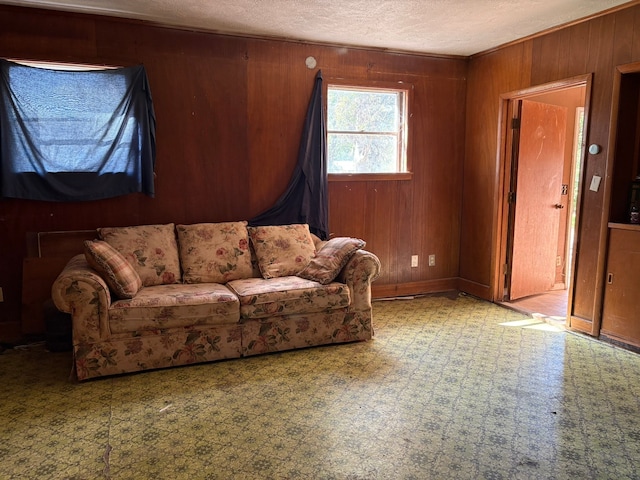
point(547, 31)
point(432, 286)
point(583, 325)
point(10, 332)
point(414, 288)
point(476, 289)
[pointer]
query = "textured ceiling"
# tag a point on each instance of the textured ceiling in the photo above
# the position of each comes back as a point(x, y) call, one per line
point(450, 27)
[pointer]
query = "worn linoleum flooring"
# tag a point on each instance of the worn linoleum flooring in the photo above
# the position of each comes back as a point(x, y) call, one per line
point(450, 388)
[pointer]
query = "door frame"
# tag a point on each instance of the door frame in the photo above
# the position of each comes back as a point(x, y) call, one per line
point(504, 173)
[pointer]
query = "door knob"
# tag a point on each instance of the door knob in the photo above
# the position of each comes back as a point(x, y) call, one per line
point(558, 206)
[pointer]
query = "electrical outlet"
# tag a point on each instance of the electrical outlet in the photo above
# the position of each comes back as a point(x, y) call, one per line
point(432, 260)
point(1, 295)
point(414, 261)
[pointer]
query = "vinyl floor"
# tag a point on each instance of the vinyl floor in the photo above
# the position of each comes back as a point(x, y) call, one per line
point(449, 388)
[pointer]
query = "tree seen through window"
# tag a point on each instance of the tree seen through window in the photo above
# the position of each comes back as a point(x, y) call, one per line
point(366, 130)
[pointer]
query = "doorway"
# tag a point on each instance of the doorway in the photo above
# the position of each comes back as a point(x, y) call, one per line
point(542, 153)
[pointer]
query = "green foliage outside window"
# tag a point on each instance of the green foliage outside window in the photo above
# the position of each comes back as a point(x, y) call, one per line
point(365, 130)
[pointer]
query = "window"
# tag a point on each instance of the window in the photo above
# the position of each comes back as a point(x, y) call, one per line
point(366, 130)
point(70, 135)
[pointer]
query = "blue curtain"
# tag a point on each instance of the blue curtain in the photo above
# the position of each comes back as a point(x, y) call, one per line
point(306, 198)
point(75, 135)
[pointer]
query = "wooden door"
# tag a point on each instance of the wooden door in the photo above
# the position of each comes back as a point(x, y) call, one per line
point(621, 312)
point(538, 191)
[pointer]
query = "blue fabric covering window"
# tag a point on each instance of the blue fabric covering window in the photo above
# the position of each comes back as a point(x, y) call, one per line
point(75, 135)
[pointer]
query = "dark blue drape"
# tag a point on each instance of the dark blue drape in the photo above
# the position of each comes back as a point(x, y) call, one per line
point(306, 199)
point(75, 135)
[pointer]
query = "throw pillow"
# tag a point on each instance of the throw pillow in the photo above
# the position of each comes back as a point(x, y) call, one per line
point(330, 259)
point(122, 279)
point(214, 252)
point(282, 250)
point(152, 250)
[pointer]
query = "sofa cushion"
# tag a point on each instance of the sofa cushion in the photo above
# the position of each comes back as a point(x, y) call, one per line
point(121, 277)
point(171, 306)
point(282, 250)
point(152, 250)
point(214, 252)
point(334, 254)
point(289, 295)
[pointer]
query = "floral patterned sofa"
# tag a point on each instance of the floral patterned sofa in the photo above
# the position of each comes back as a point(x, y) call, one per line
point(155, 296)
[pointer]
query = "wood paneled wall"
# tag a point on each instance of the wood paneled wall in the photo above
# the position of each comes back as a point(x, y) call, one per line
point(230, 112)
point(596, 46)
point(229, 118)
point(490, 75)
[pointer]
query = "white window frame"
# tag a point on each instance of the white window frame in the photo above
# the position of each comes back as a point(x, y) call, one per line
point(403, 167)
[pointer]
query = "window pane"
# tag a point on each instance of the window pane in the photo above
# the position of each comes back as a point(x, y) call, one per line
point(362, 111)
point(366, 129)
point(363, 153)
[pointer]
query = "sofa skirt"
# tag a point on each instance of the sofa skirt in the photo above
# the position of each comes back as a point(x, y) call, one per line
point(160, 349)
point(150, 350)
point(278, 334)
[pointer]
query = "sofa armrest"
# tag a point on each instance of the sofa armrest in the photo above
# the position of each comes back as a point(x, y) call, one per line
point(361, 269)
point(80, 291)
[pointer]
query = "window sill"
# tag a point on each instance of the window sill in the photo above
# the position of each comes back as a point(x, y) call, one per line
point(369, 177)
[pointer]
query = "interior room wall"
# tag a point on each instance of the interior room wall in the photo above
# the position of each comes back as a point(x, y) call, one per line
point(596, 46)
point(229, 117)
